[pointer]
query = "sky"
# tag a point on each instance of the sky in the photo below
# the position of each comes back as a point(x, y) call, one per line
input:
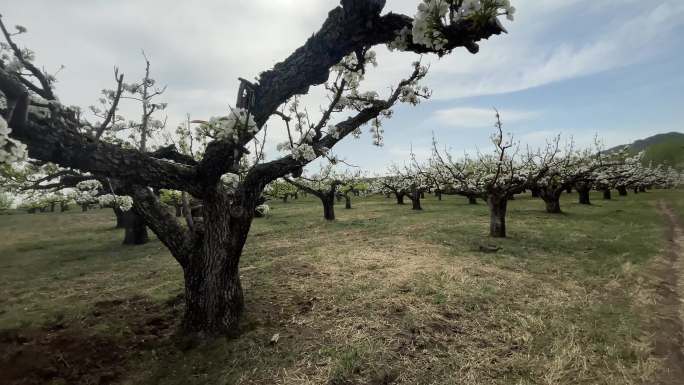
point(610, 69)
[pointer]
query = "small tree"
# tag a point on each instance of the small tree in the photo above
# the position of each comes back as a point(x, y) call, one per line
point(495, 177)
point(324, 186)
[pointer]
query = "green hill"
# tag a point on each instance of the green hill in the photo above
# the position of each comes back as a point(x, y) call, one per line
point(661, 149)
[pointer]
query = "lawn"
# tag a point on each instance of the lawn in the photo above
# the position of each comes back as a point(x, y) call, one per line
point(383, 295)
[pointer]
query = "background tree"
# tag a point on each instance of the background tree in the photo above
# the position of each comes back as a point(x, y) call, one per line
point(498, 176)
point(323, 186)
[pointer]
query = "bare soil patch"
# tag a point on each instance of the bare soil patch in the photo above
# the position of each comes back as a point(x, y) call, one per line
point(669, 327)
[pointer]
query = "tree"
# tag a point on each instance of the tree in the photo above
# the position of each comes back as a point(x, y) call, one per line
point(495, 177)
point(209, 254)
point(324, 185)
point(413, 180)
point(282, 190)
point(570, 168)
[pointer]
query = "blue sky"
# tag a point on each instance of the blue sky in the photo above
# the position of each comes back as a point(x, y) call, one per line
point(610, 68)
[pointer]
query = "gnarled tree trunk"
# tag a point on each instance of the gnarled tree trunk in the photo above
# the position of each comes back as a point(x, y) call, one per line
point(552, 201)
point(213, 293)
point(497, 215)
point(135, 229)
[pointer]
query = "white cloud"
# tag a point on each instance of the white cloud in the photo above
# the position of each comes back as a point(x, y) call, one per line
point(472, 117)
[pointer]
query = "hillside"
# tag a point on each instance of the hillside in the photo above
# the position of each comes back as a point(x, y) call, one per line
point(661, 149)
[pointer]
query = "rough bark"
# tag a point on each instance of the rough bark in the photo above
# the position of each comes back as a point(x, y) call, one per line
point(213, 293)
point(497, 216)
point(135, 229)
point(552, 201)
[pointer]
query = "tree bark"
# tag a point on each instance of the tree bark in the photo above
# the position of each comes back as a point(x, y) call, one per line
point(497, 216)
point(568, 190)
point(84, 207)
point(622, 191)
point(642, 189)
point(400, 198)
point(584, 198)
point(535, 192)
point(63, 206)
point(607, 194)
point(213, 293)
point(285, 199)
point(52, 206)
point(347, 202)
point(120, 218)
point(552, 201)
point(136, 230)
point(179, 210)
point(438, 194)
point(328, 207)
point(472, 200)
point(415, 200)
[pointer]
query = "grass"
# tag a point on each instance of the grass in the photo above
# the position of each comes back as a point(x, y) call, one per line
point(383, 295)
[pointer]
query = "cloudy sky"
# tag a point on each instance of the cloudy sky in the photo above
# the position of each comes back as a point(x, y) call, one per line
point(611, 68)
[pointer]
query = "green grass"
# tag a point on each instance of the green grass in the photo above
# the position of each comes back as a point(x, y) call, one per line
point(382, 295)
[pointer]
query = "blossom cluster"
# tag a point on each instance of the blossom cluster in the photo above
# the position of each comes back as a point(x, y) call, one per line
point(302, 151)
point(433, 16)
point(123, 202)
point(11, 150)
point(238, 122)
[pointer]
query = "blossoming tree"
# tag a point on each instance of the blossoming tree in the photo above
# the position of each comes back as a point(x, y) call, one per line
point(496, 177)
point(209, 254)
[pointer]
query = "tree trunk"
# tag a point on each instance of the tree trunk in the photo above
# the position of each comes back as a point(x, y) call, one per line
point(136, 230)
point(472, 200)
point(642, 189)
point(63, 206)
point(213, 293)
point(120, 218)
point(438, 194)
point(552, 201)
point(52, 206)
point(84, 207)
point(622, 190)
point(415, 200)
point(636, 190)
point(328, 208)
point(179, 210)
point(347, 202)
point(422, 195)
point(285, 199)
point(31, 211)
point(584, 196)
point(607, 194)
point(568, 190)
point(497, 216)
point(400, 198)
point(535, 192)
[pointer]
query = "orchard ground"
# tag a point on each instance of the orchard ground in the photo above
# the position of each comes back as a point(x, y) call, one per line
point(383, 295)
